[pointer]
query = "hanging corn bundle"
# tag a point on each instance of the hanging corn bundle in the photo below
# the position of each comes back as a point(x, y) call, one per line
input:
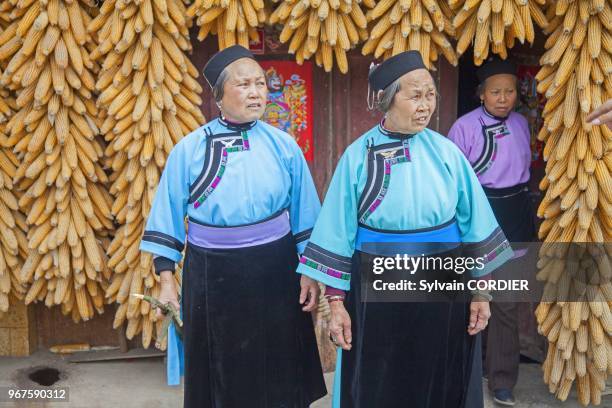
point(495, 25)
point(53, 134)
point(232, 21)
point(576, 319)
point(150, 97)
point(326, 29)
point(13, 244)
point(575, 315)
point(402, 25)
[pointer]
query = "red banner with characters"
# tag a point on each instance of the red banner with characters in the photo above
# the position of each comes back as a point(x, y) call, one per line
point(289, 106)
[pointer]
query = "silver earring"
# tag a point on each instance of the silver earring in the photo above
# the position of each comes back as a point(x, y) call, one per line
point(370, 99)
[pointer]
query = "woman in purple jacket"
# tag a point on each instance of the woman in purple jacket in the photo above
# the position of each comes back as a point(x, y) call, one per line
point(496, 141)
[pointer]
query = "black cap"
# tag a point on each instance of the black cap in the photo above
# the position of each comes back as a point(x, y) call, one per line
point(495, 66)
point(391, 69)
point(217, 63)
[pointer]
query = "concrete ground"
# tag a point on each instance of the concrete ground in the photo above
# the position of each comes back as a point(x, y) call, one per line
point(141, 384)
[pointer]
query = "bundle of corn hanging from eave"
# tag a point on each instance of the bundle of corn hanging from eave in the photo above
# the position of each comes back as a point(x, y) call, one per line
point(575, 318)
point(402, 25)
point(575, 315)
point(326, 29)
point(150, 97)
point(13, 242)
point(493, 26)
point(232, 21)
point(54, 135)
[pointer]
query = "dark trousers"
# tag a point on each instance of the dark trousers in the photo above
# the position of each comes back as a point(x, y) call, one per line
point(515, 217)
point(502, 346)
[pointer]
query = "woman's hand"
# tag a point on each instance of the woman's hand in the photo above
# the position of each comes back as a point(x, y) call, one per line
point(340, 325)
point(309, 293)
point(479, 315)
point(168, 293)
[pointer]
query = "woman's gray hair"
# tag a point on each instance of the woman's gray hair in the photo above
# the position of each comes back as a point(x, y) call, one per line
point(217, 89)
point(382, 100)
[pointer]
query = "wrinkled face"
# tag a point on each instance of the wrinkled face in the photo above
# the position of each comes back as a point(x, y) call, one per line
point(499, 94)
point(244, 92)
point(415, 102)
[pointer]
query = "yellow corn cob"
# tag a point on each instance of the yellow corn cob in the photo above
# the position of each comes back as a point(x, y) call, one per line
point(484, 11)
point(557, 47)
point(380, 8)
point(341, 59)
point(481, 42)
point(557, 367)
point(326, 54)
point(566, 67)
point(527, 23)
point(497, 29)
point(351, 29)
point(496, 6)
point(462, 16)
point(358, 17)
point(416, 14)
point(594, 37)
point(395, 14)
point(380, 28)
point(537, 15)
point(331, 28)
point(343, 38)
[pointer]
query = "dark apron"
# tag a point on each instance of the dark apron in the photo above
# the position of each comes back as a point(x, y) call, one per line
point(247, 341)
point(409, 354)
point(513, 211)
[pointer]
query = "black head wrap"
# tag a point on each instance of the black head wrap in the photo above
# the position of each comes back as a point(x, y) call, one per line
point(495, 66)
point(391, 69)
point(217, 63)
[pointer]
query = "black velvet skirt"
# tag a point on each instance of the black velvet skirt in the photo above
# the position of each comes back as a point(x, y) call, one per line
point(409, 354)
point(513, 211)
point(247, 342)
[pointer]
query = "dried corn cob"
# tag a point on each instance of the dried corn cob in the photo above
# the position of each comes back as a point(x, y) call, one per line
point(323, 28)
point(402, 25)
point(493, 26)
point(150, 98)
point(576, 206)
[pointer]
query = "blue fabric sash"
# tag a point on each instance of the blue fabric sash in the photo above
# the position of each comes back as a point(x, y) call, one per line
point(425, 241)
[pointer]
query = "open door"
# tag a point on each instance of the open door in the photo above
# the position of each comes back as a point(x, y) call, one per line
point(530, 105)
